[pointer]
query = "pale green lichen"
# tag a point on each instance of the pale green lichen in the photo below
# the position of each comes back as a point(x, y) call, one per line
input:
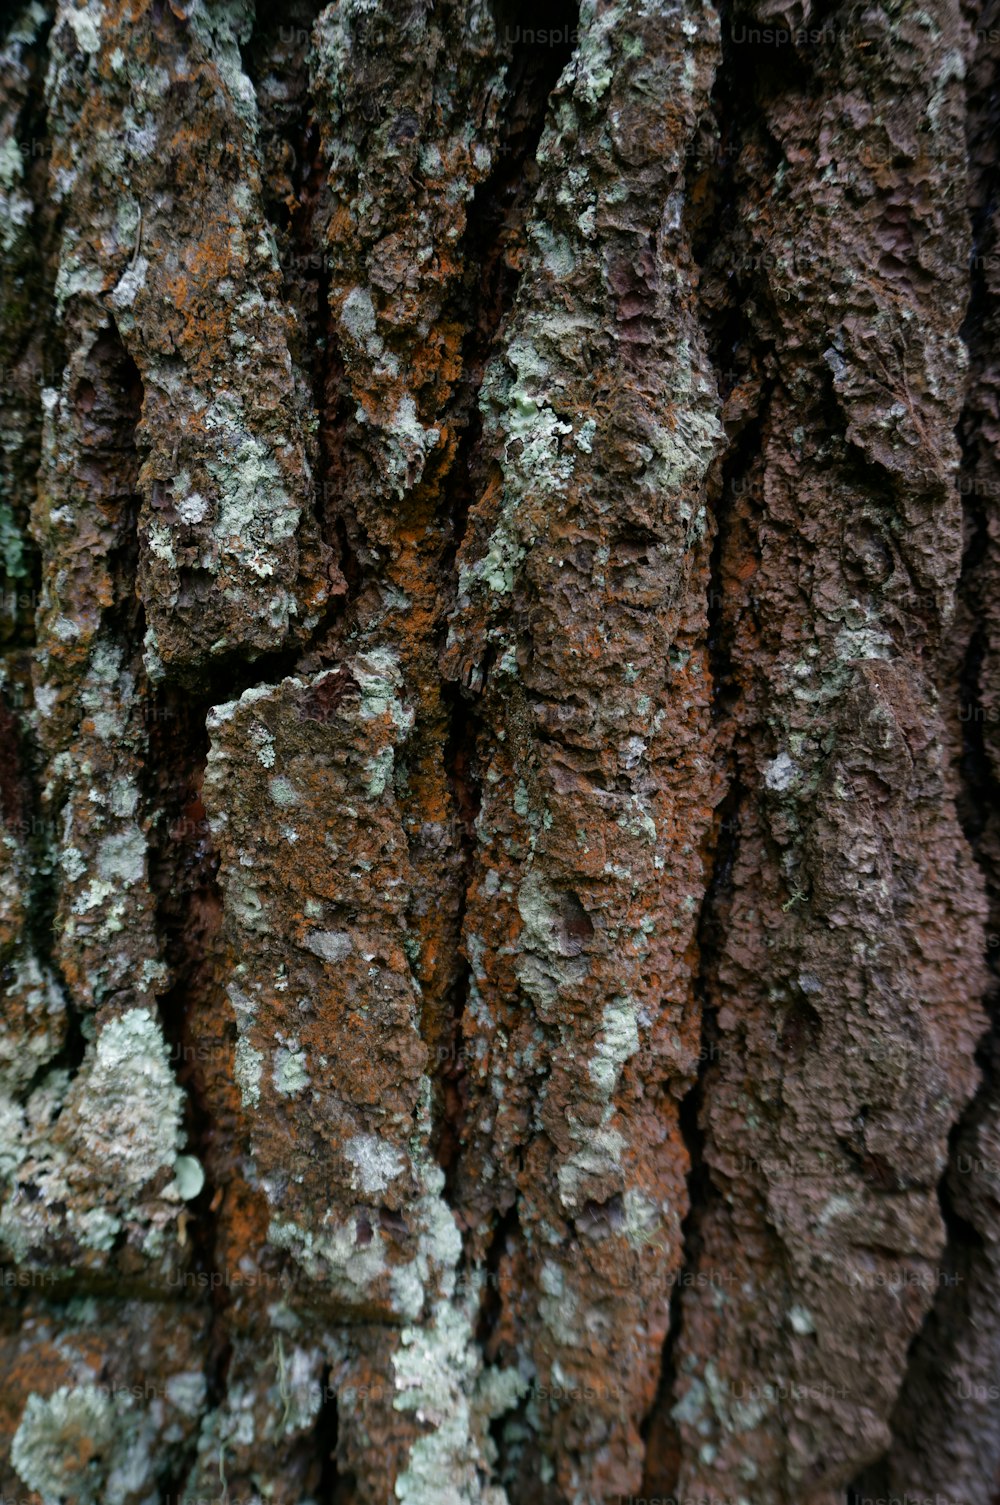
point(378, 675)
point(88, 1445)
point(263, 742)
point(357, 318)
point(246, 904)
point(539, 915)
point(679, 456)
point(72, 863)
point(129, 1113)
point(516, 400)
point(75, 280)
point(863, 641)
point(15, 206)
point(86, 24)
point(781, 773)
point(406, 443)
point(439, 1243)
point(299, 1386)
point(618, 1041)
point(592, 65)
point(189, 1178)
point(254, 509)
point(11, 545)
point(643, 1218)
point(283, 792)
point(636, 820)
point(555, 250)
point(23, 1054)
point(12, 1139)
point(437, 1370)
point(332, 1256)
point(289, 1075)
point(379, 771)
point(186, 1392)
point(558, 1305)
point(63, 1442)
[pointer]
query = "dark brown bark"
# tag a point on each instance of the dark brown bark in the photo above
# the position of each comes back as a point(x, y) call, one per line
point(499, 881)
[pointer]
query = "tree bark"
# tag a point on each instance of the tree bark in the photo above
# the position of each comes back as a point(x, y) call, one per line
point(500, 879)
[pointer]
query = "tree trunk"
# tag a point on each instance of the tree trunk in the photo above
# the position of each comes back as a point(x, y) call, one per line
point(500, 753)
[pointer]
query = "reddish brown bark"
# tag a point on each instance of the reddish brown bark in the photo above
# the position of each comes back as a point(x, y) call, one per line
point(498, 778)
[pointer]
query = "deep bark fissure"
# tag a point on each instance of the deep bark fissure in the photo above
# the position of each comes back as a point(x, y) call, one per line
point(296, 204)
point(31, 357)
point(497, 218)
point(325, 1433)
point(460, 759)
point(112, 389)
point(661, 1462)
point(183, 876)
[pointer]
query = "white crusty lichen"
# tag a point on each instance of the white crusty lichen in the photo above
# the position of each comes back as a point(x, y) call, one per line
point(24, 1051)
point(248, 1069)
point(681, 452)
point(222, 29)
point(186, 1392)
point(709, 1403)
point(254, 511)
point(618, 1040)
point(263, 743)
point(330, 945)
point(559, 1306)
point(406, 443)
point(375, 1162)
point(299, 1386)
point(121, 857)
point(539, 915)
point(15, 207)
point(379, 772)
point(547, 959)
point(357, 318)
point(599, 1156)
point(126, 1104)
point(439, 1243)
point(438, 1377)
point(781, 773)
point(12, 1136)
point(283, 792)
point(332, 1256)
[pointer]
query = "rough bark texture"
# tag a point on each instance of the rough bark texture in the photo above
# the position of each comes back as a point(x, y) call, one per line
point(499, 769)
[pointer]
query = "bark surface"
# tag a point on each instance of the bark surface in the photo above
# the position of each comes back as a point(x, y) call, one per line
point(499, 769)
